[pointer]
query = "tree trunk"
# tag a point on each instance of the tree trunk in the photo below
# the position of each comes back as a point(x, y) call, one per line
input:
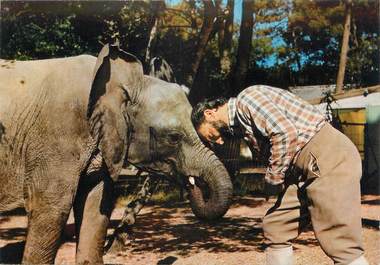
point(345, 46)
point(244, 46)
point(207, 26)
point(225, 38)
point(152, 36)
point(156, 8)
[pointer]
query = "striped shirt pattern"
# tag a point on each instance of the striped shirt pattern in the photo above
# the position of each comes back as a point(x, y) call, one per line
point(287, 121)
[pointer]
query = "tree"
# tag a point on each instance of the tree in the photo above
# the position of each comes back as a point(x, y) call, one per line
point(345, 46)
point(244, 46)
point(225, 34)
point(157, 7)
point(46, 29)
point(32, 31)
point(279, 42)
point(209, 16)
point(314, 36)
point(363, 63)
point(270, 18)
point(310, 40)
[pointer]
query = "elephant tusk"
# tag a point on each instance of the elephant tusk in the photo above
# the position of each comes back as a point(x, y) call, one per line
point(192, 180)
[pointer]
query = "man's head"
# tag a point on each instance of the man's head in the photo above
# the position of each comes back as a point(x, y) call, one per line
point(210, 119)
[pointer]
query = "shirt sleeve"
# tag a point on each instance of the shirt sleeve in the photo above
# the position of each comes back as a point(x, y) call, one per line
point(257, 110)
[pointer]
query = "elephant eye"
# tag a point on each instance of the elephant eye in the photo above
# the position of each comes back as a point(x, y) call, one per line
point(174, 137)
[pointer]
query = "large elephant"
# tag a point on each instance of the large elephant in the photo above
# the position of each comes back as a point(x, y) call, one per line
point(68, 125)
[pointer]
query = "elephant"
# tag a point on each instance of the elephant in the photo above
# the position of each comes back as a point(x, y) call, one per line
point(160, 68)
point(67, 127)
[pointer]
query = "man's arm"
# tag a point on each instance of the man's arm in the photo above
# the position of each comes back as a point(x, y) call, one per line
point(272, 123)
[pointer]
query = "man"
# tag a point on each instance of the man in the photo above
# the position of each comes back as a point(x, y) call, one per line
point(307, 156)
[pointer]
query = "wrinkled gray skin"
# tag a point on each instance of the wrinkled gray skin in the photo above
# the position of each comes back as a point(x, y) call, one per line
point(65, 133)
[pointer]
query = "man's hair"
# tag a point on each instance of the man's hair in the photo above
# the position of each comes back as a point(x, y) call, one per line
point(197, 115)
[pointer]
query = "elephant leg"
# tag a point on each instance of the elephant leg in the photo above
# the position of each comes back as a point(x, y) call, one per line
point(92, 209)
point(46, 222)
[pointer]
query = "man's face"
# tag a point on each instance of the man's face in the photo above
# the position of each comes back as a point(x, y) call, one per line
point(212, 131)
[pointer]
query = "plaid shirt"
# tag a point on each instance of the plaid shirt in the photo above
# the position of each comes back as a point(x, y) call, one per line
point(275, 120)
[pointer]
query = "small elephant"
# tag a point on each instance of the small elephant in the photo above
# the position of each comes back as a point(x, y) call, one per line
point(160, 68)
point(67, 127)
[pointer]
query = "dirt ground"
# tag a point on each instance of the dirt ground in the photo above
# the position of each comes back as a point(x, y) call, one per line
point(170, 234)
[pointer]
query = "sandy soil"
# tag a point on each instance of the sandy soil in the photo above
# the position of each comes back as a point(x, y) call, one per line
point(170, 234)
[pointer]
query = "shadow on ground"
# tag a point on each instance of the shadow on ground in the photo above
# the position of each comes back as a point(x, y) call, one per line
point(370, 223)
point(167, 261)
point(173, 228)
point(12, 253)
point(371, 202)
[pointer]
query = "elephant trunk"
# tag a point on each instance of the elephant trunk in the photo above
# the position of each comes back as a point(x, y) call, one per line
point(211, 192)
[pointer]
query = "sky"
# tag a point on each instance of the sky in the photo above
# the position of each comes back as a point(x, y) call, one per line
point(237, 10)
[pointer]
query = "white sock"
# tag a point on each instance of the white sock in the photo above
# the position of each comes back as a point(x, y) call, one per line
point(280, 256)
point(360, 261)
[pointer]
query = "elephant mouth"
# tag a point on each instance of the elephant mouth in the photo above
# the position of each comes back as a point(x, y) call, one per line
point(165, 167)
point(197, 182)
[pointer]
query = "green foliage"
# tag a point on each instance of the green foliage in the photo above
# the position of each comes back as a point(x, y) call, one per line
point(313, 38)
point(361, 66)
point(301, 39)
point(32, 35)
point(45, 29)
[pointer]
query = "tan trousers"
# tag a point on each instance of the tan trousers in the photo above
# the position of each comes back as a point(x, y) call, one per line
point(326, 189)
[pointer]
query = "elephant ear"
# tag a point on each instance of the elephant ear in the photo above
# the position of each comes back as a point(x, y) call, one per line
point(118, 79)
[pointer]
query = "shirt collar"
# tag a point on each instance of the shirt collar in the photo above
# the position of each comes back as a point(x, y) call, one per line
point(231, 107)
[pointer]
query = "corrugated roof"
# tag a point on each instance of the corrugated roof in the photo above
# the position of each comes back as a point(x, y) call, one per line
point(372, 99)
point(312, 92)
